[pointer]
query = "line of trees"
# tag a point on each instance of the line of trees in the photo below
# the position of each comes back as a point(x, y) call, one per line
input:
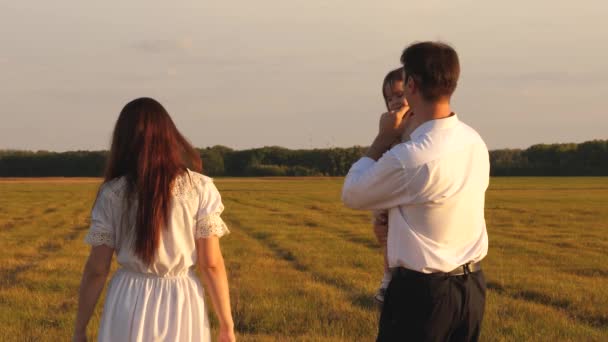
point(585, 159)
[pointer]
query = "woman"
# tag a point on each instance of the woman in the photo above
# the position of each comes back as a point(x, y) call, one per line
point(161, 219)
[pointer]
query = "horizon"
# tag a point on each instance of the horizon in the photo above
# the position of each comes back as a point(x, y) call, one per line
point(300, 75)
point(312, 148)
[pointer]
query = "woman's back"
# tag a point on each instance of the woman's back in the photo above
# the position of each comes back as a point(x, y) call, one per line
point(163, 300)
point(194, 212)
point(160, 219)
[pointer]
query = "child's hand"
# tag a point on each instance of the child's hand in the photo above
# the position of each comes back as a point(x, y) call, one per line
point(380, 217)
point(381, 226)
point(381, 232)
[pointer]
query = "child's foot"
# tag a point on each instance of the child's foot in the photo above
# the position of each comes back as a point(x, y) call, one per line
point(379, 296)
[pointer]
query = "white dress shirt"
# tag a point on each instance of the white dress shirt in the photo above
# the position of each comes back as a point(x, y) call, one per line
point(434, 189)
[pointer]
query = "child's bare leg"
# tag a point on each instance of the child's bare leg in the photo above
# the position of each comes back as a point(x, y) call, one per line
point(386, 269)
point(387, 272)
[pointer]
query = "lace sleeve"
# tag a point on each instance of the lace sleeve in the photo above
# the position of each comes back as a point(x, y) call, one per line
point(101, 231)
point(209, 226)
point(97, 238)
point(208, 220)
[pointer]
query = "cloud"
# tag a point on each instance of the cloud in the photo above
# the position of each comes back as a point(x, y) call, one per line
point(171, 71)
point(163, 45)
point(552, 77)
point(185, 43)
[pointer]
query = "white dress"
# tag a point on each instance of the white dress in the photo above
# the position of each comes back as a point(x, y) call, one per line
point(163, 301)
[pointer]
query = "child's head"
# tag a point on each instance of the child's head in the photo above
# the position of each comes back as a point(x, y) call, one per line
point(392, 90)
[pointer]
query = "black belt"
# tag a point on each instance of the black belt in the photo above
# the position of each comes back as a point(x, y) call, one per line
point(458, 271)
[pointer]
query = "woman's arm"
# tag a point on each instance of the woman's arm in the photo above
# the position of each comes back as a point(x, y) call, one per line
point(93, 279)
point(213, 271)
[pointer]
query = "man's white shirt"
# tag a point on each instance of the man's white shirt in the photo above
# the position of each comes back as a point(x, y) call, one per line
point(434, 189)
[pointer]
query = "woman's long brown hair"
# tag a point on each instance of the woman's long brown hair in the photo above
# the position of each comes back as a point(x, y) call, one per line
point(150, 152)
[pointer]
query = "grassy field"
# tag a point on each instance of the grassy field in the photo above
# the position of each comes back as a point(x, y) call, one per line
point(304, 268)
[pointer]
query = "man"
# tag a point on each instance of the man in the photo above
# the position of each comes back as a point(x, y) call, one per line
point(434, 188)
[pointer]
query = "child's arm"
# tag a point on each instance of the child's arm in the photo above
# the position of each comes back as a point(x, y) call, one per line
point(380, 225)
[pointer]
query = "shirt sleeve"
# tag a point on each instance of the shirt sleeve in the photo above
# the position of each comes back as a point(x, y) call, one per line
point(373, 185)
point(208, 220)
point(102, 231)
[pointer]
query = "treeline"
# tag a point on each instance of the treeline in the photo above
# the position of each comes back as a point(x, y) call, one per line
point(217, 161)
point(52, 164)
point(585, 159)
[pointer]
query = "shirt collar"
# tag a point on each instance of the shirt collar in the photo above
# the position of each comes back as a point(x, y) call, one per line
point(431, 125)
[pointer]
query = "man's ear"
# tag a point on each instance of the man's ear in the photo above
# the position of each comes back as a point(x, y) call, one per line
point(411, 86)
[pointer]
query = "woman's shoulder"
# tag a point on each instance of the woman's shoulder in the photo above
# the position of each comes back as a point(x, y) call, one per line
point(198, 178)
point(191, 183)
point(113, 188)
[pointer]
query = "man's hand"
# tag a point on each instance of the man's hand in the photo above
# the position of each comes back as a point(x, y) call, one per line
point(392, 125)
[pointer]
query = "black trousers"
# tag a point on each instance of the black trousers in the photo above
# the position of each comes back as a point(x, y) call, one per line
point(433, 307)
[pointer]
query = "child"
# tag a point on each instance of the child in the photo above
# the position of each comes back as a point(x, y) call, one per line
point(392, 91)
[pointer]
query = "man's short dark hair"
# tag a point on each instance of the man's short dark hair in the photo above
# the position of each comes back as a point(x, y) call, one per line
point(434, 67)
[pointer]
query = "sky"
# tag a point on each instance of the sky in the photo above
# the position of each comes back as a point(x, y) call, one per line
point(298, 73)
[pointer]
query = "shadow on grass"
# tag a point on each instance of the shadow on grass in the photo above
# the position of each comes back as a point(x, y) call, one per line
point(596, 321)
point(363, 241)
point(364, 301)
point(591, 272)
point(9, 276)
point(50, 247)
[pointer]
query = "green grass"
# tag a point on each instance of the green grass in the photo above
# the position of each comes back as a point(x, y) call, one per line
point(302, 267)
